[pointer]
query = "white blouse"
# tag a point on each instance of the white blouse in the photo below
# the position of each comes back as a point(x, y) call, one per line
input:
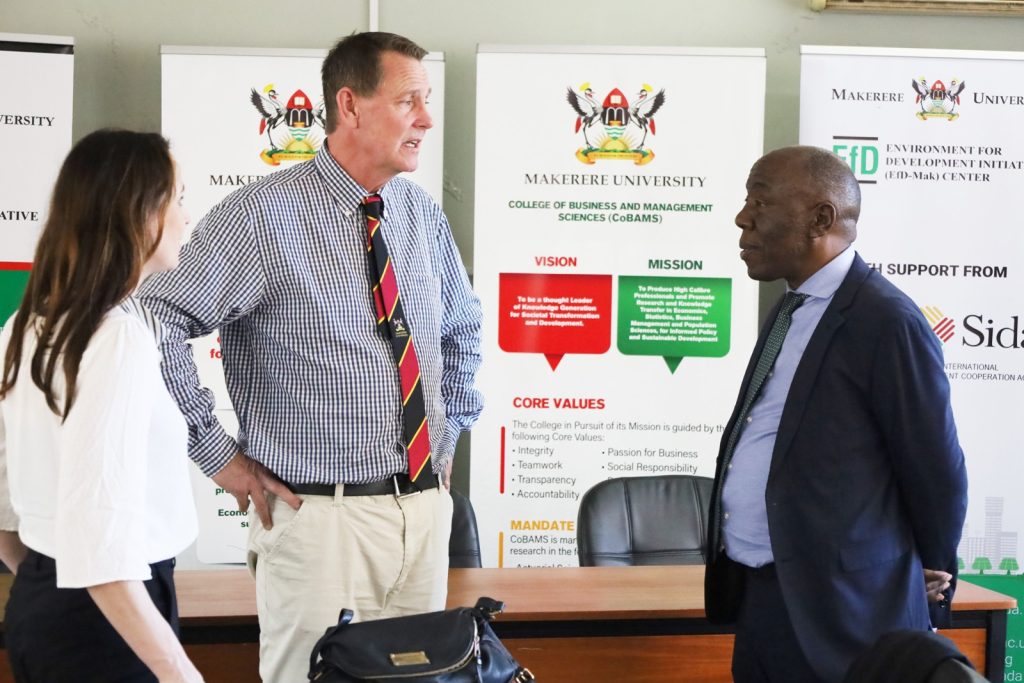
point(107, 493)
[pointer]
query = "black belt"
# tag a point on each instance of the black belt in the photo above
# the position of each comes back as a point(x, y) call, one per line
point(394, 485)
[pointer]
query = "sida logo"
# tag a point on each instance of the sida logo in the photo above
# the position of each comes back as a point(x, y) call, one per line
point(291, 127)
point(936, 101)
point(981, 330)
point(621, 123)
point(943, 327)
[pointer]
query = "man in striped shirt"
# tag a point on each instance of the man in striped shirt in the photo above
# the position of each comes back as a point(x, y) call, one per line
point(280, 267)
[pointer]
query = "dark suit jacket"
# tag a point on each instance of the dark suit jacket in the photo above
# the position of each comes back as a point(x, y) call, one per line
point(867, 478)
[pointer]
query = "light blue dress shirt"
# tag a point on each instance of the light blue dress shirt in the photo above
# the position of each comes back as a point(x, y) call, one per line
point(745, 517)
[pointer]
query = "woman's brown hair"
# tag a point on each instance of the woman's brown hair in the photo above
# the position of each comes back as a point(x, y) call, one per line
point(90, 255)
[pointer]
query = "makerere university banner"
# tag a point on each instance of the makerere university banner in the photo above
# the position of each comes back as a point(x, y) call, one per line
point(234, 115)
point(36, 79)
point(618, 315)
point(936, 139)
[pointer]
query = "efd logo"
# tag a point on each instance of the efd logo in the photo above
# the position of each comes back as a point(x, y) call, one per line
point(942, 326)
point(861, 153)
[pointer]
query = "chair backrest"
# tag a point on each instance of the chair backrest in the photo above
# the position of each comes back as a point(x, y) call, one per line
point(464, 544)
point(644, 521)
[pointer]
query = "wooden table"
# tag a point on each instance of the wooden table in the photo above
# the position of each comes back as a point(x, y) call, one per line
point(641, 624)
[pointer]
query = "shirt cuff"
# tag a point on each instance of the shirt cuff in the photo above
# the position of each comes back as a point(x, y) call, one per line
point(214, 452)
point(444, 450)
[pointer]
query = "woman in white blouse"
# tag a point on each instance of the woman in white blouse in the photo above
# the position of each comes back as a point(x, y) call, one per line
point(97, 483)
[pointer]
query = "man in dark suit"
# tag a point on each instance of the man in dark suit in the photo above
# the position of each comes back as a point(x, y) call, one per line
point(840, 475)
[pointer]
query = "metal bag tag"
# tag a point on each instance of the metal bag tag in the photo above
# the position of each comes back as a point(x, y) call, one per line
point(409, 658)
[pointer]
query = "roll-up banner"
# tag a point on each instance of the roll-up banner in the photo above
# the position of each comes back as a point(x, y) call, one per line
point(936, 139)
point(234, 115)
point(618, 315)
point(37, 80)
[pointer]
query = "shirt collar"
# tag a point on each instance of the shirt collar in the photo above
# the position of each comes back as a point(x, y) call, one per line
point(341, 185)
point(824, 283)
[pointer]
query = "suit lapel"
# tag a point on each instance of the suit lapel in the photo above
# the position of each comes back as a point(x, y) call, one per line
point(810, 364)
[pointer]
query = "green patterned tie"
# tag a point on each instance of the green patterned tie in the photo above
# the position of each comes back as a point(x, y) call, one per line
point(769, 353)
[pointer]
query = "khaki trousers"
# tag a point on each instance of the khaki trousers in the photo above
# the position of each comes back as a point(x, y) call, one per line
point(380, 556)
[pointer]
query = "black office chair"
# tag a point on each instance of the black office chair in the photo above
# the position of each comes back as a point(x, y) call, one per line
point(644, 521)
point(912, 657)
point(464, 545)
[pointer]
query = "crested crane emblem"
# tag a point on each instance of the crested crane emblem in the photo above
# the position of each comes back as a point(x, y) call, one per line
point(290, 127)
point(936, 100)
point(615, 129)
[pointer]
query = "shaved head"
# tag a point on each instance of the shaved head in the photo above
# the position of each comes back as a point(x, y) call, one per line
point(801, 211)
point(828, 179)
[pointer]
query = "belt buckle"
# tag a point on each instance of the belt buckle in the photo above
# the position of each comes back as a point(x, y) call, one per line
point(398, 493)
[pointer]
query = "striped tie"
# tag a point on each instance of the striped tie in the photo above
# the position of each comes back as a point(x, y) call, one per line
point(393, 325)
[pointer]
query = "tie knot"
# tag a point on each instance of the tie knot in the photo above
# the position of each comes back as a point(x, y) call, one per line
point(791, 302)
point(373, 206)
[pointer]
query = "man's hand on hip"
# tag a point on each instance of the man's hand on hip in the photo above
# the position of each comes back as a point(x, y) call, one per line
point(935, 582)
point(244, 478)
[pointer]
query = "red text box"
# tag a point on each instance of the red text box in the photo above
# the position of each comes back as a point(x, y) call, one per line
point(554, 314)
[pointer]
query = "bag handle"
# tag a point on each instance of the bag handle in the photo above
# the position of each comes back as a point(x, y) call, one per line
point(489, 607)
point(343, 620)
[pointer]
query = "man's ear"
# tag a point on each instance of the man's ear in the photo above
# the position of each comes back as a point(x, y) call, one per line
point(823, 219)
point(348, 107)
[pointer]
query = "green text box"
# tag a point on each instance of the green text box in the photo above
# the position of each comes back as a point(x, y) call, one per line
point(674, 317)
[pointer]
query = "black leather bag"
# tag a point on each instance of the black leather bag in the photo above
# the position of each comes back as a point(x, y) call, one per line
point(454, 646)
